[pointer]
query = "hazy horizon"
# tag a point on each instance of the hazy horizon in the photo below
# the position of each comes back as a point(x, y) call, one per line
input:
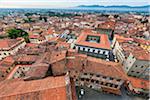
point(67, 3)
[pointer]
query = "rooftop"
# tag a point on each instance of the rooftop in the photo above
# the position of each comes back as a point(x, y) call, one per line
point(47, 87)
point(137, 51)
point(27, 58)
point(8, 43)
point(97, 66)
point(101, 40)
point(37, 70)
point(139, 83)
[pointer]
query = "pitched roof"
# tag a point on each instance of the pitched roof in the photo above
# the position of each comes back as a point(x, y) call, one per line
point(122, 39)
point(97, 66)
point(139, 83)
point(34, 36)
point(137, 51)
point(26, 58)
point(8, 43)
point(142, 41)
point(49, 88)
point(37, 70)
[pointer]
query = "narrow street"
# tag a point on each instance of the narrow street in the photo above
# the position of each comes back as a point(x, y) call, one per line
point(91, 94)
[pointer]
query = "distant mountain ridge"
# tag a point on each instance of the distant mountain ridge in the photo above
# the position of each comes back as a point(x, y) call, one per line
point(113, 6)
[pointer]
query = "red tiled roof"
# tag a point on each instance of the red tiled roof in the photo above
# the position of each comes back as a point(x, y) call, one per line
point(57, 56)
point(52, 88)
point(8, 43)
point(38, 70)
point(135, 50)
point(104, 41)
point(8, 59)
point(50, 31)
point(139, 83)
point(27, 58)
point(122, 39)
point(97, 66)
point(142, 41)
point(62, 45)
point(107, 25)
point(31, 45)
point(34, 36)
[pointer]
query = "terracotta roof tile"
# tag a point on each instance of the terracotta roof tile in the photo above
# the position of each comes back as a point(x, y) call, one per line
point(92, 65)
point(139, 83)
point(37, 71)
point(50, 88)
point(135, 50)
point(8, 43)
point(104, 41)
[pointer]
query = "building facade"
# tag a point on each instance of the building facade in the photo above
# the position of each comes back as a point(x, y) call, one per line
point(137, 67)
point(10, 46)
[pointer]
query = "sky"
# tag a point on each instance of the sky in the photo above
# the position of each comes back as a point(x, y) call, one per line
point(67, 3)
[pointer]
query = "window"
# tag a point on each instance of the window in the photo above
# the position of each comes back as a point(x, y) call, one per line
point(111, 85)
point(111, 78)
point(78, 48)
point(85, 73)
point(116, 86)
point(91, 74)
point(104, 77)
point(90, 86)
point(2, 75)
point(135, 65)
point(83, 65)
point(103, 52)
point(97, 75)
point(4, 53)
point(142, 66)
point(82, 79)
point(83, 49)
point(118, 80)
point(132, 71)
point(107, 84)
point(137, 72)
point(7, 71)
point(92, 81)
point(97, 82)
point(87, 79)
point(76, 71)
point(93, 50)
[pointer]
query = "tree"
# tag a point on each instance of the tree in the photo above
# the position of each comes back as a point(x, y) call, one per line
point(14, 33)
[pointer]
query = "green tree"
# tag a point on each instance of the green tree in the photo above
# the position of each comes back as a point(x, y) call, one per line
point(14, 33)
